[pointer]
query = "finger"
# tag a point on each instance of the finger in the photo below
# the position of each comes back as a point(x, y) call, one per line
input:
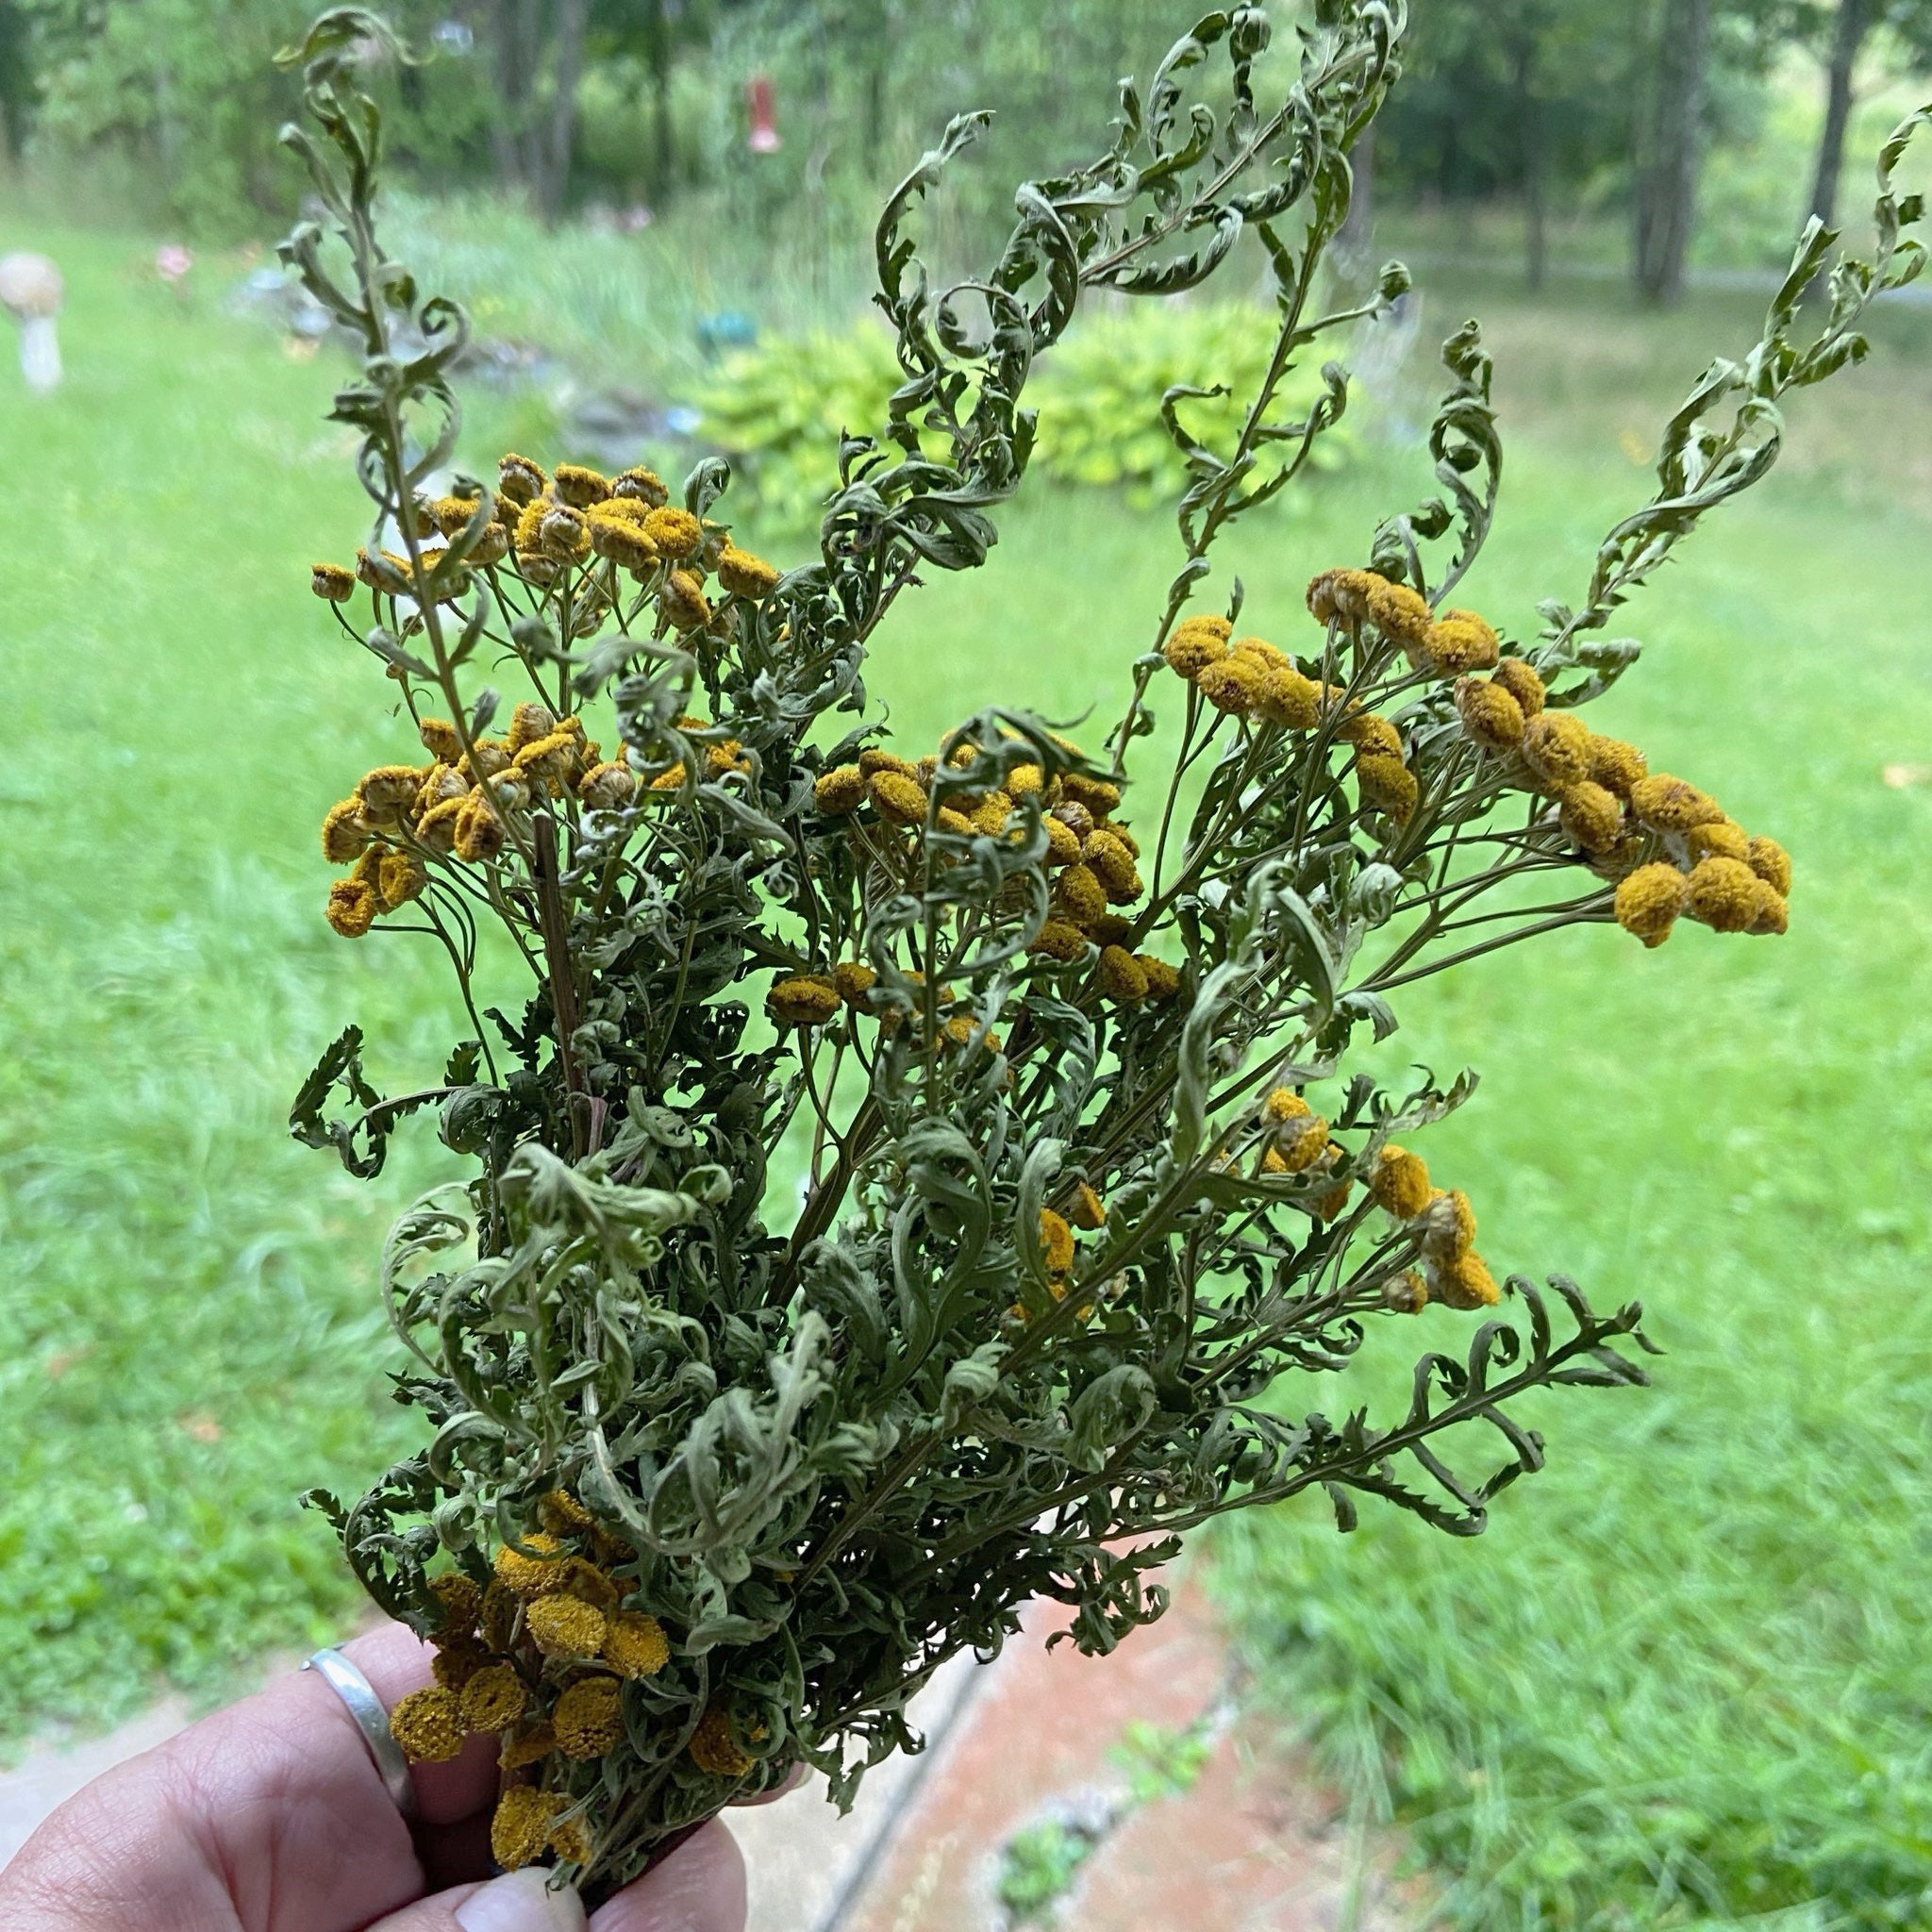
point(518, 1902)
point(456, 1854)
point(397, 1661)
point(699, 1888)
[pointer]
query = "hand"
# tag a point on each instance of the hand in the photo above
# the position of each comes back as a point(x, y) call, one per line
point(270, 1817)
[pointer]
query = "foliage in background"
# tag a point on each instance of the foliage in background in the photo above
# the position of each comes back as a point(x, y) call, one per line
point(775, 410)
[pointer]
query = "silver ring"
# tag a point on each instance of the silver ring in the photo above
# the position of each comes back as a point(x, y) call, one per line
point(358, 1695)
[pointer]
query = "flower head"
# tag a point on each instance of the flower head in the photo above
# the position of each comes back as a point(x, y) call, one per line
point(745, 576)
point(634, 1644)
point(1490, 713)
point(520, 479)
point(1122, 979)
point(1059, 939)
point(1283, 696)
point(589, 1717)
point(1231, 685)
point(1555, 747)
point(1387, 785)
point(1341, 596)
point(1771, 864)
point(901, 799)
point(1721, 893)
point(1449, 1230)
point(352, 907)
point(645, 485)
point(1371, 735)
point(1650, 901)
point(1669, 805)
point(840, 790)
point(799, 1001)
point(578, 486)
point(1089, 1209)
point(1465, 1283)
point(428, 1724)
point(1458, 642)
point(714, 1748)
point(1400, 612)
point(607, 787)
point(562, 1625)
point(675, 532)
point(1592, 816)
point(495, 1697)
point(331, 582)
point(682, 599)
point(1163, 981)
point(620, 540)
point(520, 1829)
point(1520, 679)
point(345, 834)
point(1400, 1182)
point(1056, 1241)
point(1722, 838)
point(535, 1570)
point(1192, 646)
point(460, 1599)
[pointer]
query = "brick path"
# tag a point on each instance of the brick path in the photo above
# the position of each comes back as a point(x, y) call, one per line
point(1251, 1846)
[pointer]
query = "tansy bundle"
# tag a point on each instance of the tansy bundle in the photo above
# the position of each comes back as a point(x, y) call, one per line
point(1061, 1059)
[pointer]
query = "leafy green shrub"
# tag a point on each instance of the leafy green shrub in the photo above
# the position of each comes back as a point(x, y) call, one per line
point(775, 408)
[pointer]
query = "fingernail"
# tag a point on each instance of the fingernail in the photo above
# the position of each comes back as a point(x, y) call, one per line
point(522, 1902)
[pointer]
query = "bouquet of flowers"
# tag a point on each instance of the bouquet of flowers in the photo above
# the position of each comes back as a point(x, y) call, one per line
point(905, 1182)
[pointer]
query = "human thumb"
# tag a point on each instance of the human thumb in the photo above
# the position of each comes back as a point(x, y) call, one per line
point(518, 1902)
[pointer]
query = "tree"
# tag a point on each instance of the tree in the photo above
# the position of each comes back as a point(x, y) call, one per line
point(1841, 33)
point(1672, 148)
point(16, 79)
point(1522, 97)
point(537, 49)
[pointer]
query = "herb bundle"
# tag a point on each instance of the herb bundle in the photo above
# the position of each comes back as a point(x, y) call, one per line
point(1094, 1180)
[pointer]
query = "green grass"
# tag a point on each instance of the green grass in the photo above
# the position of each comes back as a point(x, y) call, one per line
point(1678, 1683)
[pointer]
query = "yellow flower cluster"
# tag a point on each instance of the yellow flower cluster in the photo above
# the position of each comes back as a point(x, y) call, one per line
point(400, 816)
point(1251, 678)
point(538, 1658)
point(1058, 1247)
point(578, 519)
point(1296, 1141)
point(1094, 859)
point(1444, 644)
point(1443, 1225)
point(1618, 813)
point(1715, 871)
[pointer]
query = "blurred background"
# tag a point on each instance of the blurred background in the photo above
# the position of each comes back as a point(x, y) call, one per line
point(1683, 1680)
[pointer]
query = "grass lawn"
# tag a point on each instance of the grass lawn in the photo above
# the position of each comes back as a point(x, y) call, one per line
point(1678, 1683)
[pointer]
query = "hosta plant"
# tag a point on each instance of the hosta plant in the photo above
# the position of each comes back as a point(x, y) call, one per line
point(904, 1182)
point(776, 408)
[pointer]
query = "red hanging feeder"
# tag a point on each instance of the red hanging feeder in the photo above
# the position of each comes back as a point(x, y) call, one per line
point(762, 107)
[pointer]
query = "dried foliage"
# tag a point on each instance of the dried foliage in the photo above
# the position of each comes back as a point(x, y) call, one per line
point(715, 1485)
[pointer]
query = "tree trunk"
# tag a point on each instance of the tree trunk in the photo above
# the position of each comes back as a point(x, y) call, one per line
point(515, 43)
point(1848, 37)
point(561, 136)
point(663, 137)
point(1667, 178)
point(1529, 115)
